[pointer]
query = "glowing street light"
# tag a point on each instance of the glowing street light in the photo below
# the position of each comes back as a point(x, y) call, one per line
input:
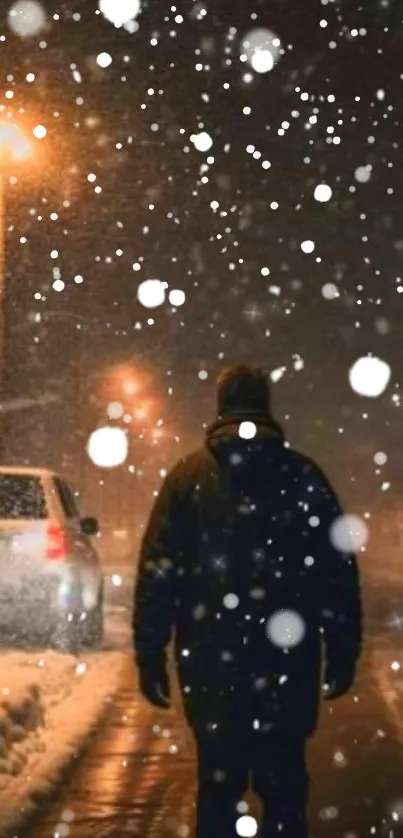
point(130, 398)
point(122, 378)
point(129, 386)
point(157, 434)
point(14, 144)
point(14, 147)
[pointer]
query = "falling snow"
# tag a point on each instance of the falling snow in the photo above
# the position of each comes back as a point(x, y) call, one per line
point(246, 826)
point(26, 18)
point(120, 12)
point(349, 533)
point(202, 141)
point(247, 430)
point(108, 447)
point(323, 193)
point(252, 161)
point(285, 629)
point(308, 246)
point(261, 49)
point(369, 376)
point(151, 293)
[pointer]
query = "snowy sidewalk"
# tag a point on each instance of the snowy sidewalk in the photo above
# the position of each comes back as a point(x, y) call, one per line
point(49, 703)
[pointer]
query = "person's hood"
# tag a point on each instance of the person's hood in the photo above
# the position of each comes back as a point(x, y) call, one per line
point(246, 461)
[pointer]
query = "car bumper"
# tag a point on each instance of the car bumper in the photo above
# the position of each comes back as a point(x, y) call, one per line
point(39, 602)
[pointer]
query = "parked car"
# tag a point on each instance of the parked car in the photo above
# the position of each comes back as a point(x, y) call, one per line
point(51, 584)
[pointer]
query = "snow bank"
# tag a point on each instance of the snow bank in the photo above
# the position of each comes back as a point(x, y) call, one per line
point(49, 703)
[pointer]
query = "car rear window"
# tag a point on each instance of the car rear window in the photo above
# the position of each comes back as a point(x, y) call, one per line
point(21, 496)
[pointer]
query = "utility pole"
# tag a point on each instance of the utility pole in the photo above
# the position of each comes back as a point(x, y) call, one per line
point(14, 146)
point(3, 394)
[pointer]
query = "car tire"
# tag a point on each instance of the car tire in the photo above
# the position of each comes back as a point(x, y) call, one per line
point(65, 635)
point(93, 625)
point(71, 633)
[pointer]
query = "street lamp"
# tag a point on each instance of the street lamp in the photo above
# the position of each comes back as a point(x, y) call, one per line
point(121, 377)
point(14, 146)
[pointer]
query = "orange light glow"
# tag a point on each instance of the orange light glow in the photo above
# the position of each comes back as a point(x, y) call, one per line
point(130, 386)
point(140, 413)
point(124, 379)
point(14, 144)
point(133, 387)
point(145, 409)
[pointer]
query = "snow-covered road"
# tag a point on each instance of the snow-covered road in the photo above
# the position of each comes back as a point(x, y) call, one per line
point(138, 776)
point(118, 597)
point(50, 702)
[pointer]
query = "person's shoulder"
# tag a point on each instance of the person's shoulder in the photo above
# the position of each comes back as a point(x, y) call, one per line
point(306, 467)
point(186, 469)
point(296, 458)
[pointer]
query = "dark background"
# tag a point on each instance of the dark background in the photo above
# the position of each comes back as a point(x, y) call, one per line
point(230, 313)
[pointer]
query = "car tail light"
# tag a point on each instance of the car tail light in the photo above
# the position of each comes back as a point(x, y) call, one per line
point(56, 541)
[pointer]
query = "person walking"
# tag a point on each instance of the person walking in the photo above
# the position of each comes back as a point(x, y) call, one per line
point(242, 562)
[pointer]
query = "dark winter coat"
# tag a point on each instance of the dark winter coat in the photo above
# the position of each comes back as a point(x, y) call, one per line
point(239, 533)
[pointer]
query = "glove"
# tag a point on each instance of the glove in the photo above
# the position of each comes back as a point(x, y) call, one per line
point(154, 686)
point(338, 681)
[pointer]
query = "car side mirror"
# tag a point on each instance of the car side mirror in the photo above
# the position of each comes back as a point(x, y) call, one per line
point(89, 526)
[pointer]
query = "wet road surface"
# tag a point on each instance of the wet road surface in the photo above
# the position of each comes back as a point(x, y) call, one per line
point(138, 774)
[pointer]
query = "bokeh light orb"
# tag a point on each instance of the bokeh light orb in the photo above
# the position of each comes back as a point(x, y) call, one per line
point(177, 297)
point(26, 18)
point(115, 410)
point(202, 141)
point(330, 291)
point(119, 12)
point(58, 285)
point(285, 629)
point(261, 48)
point(247, 430)
point(104, 60)
point(363, 174)
point(246, 826)
point(308, 246)
point(262, 61)
point(151, 293)
point(108, 447)
point(231, 601)
point(68, 815)
point(369, 376)
point(323, 193)
point(39, 132)
point(349, 533)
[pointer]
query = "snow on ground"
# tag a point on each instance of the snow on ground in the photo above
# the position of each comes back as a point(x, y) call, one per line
point(119, 634)
point(119, 601)
point(49, 703)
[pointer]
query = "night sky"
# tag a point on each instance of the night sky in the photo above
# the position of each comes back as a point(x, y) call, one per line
point(211, 223)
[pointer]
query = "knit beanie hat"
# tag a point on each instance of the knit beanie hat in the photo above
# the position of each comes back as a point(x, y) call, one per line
point(243, 391)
